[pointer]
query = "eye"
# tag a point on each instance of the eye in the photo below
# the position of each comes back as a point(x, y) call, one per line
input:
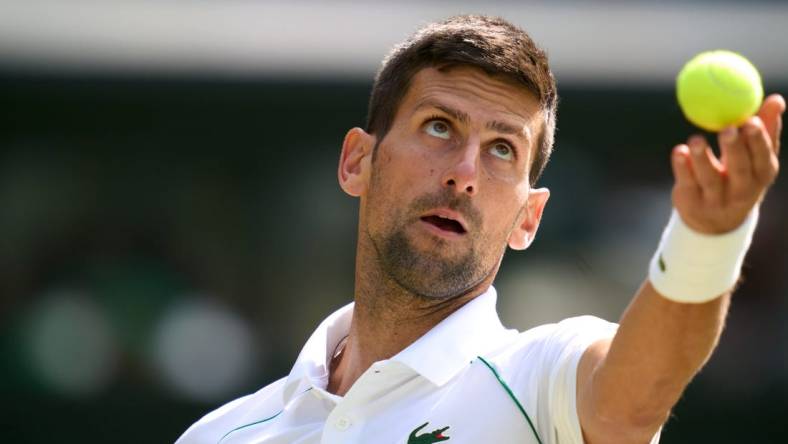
point(502, 151)
point(438, 128)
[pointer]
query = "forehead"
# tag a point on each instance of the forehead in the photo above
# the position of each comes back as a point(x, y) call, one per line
point(478, 94)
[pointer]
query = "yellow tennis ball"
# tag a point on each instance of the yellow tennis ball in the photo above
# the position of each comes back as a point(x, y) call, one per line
point(717, 89)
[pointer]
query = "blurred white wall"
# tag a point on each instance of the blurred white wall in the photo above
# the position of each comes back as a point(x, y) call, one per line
point(589, 42)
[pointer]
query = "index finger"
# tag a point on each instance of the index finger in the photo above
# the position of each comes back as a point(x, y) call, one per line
point(771, 114)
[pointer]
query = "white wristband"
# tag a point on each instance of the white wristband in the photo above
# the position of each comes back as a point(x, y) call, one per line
point(692, 267)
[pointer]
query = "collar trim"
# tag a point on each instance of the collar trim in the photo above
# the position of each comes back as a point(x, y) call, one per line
point(438, 355)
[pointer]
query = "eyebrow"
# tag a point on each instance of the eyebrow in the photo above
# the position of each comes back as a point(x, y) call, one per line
point(505, 128)
point(463, 117)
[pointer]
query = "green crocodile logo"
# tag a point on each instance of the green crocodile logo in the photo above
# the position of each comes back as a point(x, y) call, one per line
point(427, 438)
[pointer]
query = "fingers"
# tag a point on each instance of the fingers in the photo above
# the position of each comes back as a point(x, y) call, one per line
point(736, 157)
point(771, 116)
point(760, 149)
point(682, 170)
point(707, 169)
point(686, 188)
point(714, 197)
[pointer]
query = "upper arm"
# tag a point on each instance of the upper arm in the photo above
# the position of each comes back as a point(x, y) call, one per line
point(592, 357)
point(559, 355)
point(595, 426)
point(627, 387)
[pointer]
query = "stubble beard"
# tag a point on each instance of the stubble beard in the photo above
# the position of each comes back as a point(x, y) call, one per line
point(427, 275)
point(425, 272)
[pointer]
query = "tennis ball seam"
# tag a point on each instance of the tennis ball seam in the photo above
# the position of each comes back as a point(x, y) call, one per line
point(718, 88)
point(722, 86)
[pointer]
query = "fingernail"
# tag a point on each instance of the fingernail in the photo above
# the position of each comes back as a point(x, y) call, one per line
point(752, 130)
point(781, 99)
point(697, 149)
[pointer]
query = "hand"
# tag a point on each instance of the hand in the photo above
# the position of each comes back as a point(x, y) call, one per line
point(714, 196)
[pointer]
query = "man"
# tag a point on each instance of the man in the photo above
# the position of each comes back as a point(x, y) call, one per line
point(460, 126)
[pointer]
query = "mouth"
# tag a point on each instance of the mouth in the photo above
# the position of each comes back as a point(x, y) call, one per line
point(445, 222)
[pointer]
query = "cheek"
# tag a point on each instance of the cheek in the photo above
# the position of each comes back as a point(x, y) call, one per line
point(390, 188)
point(503, 214)
point(510, 176)
point(408, 165)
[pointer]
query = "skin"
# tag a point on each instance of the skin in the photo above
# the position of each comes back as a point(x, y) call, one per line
point(624, 394)
point(456, 165)
point(491, 194)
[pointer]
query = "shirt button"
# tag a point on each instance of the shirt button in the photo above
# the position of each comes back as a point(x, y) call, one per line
point(343, 423)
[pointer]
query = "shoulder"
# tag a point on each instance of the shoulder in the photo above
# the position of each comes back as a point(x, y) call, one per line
point(557, 338)
point(537, 353)
point(539, 366)
point(211, 427)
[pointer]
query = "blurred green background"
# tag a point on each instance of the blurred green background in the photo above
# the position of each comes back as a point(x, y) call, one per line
point(169, 238)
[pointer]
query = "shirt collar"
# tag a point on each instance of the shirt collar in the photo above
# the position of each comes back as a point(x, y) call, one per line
point(450, 346)
point(311, 367)
point(438, 355)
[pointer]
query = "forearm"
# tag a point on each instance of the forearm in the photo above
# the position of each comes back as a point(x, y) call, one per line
point(627, 386)
point(659, 347)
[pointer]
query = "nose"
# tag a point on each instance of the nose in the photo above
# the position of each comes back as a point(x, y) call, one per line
point(463, 173)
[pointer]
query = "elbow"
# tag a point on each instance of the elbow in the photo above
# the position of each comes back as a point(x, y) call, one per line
point(629, 417)
point(634, 427)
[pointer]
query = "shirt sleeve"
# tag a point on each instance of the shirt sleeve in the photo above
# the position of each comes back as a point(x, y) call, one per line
point(212, 427)
point(562, 352)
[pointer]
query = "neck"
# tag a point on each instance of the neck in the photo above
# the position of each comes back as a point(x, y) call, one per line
point(387, 318)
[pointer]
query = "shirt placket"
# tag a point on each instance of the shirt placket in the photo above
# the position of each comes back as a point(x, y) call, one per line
point(345, 424)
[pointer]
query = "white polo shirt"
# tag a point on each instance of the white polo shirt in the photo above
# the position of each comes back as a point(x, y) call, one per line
point(468, 380)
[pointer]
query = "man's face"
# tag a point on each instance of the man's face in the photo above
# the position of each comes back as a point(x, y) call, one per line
point(449, 182)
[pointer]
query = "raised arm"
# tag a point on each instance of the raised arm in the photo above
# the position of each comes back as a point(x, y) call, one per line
point(627, 386)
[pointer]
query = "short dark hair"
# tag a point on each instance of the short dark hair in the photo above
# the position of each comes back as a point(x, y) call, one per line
point(489, 43)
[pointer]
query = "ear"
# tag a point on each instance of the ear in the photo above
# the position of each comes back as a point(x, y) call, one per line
point(355, 162)
point(525, 230)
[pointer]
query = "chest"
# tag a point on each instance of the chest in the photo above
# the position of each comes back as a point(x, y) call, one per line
point(402, 409)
